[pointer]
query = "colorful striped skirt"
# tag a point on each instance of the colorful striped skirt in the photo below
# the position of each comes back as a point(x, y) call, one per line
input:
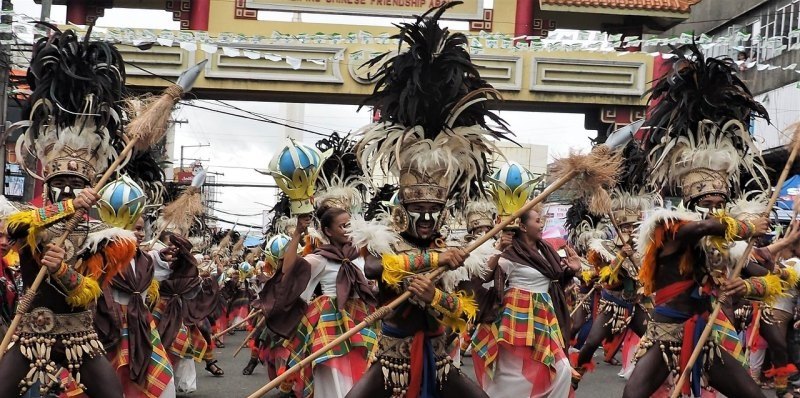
point(159, 370)
point(528, 335)
point(322, 324)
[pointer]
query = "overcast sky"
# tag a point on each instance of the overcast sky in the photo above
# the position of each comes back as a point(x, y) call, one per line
point(238, 145)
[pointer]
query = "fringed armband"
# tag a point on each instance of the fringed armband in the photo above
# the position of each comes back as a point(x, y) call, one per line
point(789, 276)
point(456, 308)
point(398, 266)
point(37, 219)
point(765, 288)
point(85, 289)
point(81, 290)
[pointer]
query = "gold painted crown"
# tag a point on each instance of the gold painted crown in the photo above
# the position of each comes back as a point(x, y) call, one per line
point(429, 185)
point(480, 213)
point(703, 181)
point(81, 150)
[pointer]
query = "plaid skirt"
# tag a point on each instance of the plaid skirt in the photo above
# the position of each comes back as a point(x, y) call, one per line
point(526, 320)
point(323, 323)
point(189, 342)
point(159, 370)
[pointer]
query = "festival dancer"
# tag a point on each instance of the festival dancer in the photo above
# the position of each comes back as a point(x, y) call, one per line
point(523, 351)
point(620, 309)
point(336, 264)
point(776, 317)
point(265, 346)
point(436, 142)
point(75, 123)
point(582, 228)
point(124, 321)
point(184, 303)
point(9, 258)
point(696, 140)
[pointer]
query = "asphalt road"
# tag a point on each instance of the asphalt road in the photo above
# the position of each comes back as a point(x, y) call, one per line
point(603, 382)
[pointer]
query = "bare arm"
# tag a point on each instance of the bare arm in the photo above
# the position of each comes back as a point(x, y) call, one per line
point(290, 255)
point(373, 268)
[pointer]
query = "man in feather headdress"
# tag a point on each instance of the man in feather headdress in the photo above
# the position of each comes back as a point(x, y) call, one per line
point(697, 141)
point(434, 138)
point(619, 310)
point(75, 116)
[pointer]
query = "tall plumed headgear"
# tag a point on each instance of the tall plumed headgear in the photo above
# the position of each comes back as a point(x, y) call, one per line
point(74, 111)
point(583, 226)
point(511, 185)
point(432, 133)
point(696, 136)
point(121, 202)
point(341, 180)
point(295, 169)
point(480, 213)
point(630, 207)
point(276, 248)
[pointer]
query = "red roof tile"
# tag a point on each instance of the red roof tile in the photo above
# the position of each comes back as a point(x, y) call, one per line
point(681, 6)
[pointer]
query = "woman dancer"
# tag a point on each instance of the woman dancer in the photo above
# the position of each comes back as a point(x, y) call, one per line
point(523, 353)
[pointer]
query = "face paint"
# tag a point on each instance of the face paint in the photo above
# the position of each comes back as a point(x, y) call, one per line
point(416, 217)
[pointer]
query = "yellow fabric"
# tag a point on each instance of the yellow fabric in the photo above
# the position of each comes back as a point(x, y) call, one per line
point(609, 275)
point(85, 293)
point(22, 219)
point(12, 258)
point(152, 291)
point(35, 223)
point(587, 275)
point(394, 269)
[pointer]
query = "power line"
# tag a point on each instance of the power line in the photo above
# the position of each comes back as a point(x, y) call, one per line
point(258, 117)
point(234, 214)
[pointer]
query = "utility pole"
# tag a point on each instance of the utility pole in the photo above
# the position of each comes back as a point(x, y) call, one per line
point(191, 146)
point(46, 5)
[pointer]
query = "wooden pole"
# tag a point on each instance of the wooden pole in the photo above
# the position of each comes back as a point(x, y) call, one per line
point(240, 323)
point(384, 311)
point(756, 324)
point(736, 271)
point(580, 302)
point(25, 302)
point(259, 324)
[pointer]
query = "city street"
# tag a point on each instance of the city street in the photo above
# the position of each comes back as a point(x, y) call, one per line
point(604, 382)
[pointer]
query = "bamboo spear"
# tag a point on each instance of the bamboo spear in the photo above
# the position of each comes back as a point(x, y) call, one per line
point(143, 132)
point(737, 270)
point(259, 324)
point(575, 165)
point(240, 323)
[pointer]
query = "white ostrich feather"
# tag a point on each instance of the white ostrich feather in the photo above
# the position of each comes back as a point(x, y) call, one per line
point(597, 246)
point(660, 216)
point(375, 236)
point(475, 266)
point(95, 239)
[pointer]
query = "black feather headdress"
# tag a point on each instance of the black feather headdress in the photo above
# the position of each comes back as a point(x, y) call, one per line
point(341, 181)
point(696, 135)
point(380, 203)
point(434, 117)
point(582, 225)
point(75, 109)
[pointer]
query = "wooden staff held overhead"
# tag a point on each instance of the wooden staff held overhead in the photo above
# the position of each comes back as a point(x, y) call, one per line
point(143, 132)
point(738, 269)
point(598, 168)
